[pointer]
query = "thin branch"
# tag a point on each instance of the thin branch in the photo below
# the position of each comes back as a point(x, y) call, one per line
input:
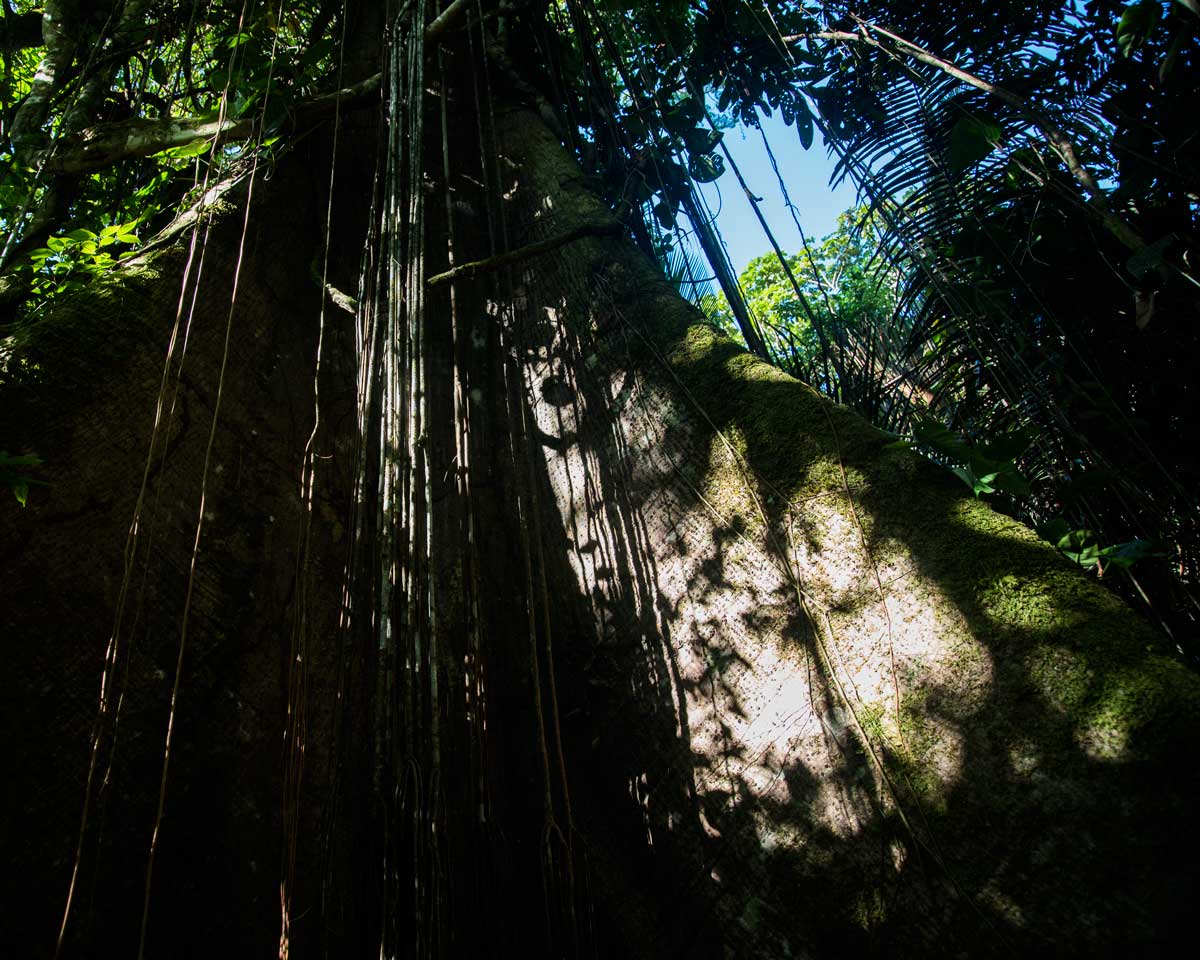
point(98, 147)
point(536, 249)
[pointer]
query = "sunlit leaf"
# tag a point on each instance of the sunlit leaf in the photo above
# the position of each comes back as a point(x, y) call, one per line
point(194, 149)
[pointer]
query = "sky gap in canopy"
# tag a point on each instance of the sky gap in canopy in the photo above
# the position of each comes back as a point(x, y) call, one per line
point(806, 174)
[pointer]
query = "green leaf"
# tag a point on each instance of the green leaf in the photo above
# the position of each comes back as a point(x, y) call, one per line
point(19, 483)
point(158, 70)
point(24, 460)
point(804, 124)
point(706, 167)
point(276, 114)
point(1009, 480)
point(244, 101)
point(665, 213)
point(977, 484)
point(702, 141)
point(1129, 553)
point(971, 139)
point(1136, 25)
point(683, 115)
point(1080, 546)
point(1077, 545)
point(187, 150)
point(1054, 530)
point(318, 51)
point(980, 468)
point(930, 433)
point(1010, 445)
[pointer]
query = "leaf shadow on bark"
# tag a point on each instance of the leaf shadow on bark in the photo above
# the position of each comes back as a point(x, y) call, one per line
point(1055, 828)
point(698, 839)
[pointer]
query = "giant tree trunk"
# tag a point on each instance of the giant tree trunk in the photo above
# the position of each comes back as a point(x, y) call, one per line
point(866, 711)
point(755, 684)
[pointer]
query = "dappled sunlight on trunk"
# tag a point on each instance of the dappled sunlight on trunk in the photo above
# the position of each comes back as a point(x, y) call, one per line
point(584, 632)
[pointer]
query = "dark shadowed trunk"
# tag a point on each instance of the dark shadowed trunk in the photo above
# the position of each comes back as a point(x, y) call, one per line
point(705, 669)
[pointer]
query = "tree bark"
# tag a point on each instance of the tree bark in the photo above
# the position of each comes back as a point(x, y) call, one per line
point(867, 712)
point(797, 696)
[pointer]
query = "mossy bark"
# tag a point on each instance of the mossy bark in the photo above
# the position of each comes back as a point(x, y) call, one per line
point(894, 719)
point(809, 699)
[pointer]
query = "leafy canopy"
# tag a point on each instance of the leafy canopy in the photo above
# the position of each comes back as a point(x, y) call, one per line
point(1026, 259)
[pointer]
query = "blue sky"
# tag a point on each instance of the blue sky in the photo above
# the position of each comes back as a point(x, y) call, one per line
point(806, 174)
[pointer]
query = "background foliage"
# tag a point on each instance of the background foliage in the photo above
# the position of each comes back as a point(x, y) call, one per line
point(1020, 280)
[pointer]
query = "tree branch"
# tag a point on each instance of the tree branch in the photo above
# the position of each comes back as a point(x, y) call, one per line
point(98, 73)
point(51, 71)
point(98, 147)
point(445, 20)
point(527, 252)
